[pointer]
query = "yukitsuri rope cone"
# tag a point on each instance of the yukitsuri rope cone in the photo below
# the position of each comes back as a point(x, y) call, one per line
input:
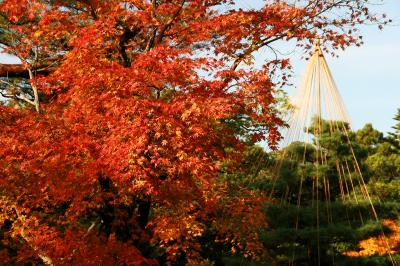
point(318, 112)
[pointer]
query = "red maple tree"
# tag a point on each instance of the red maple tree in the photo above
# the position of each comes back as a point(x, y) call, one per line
point(135, 106)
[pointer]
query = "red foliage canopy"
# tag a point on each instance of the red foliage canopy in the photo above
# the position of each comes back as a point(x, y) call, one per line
point(140, 104)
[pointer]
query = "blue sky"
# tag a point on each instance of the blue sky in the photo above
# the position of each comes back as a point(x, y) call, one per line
point(368, 77)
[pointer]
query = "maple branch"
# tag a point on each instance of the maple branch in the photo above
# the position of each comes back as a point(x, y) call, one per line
point(92, 9)
point(273, 50)
point(13, 70)
point(46, 260)
point(35, 91)
point(169, 22)
point(144, 207)
point(22, 98)
point(150, 43)
point(15, 96)
point(125, 37)
point(90, 228)
point(157, 38)
point(20, 71)
point(269, 40)
point(254, 47)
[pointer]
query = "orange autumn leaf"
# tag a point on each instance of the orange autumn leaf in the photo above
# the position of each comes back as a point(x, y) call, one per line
point(380, 245)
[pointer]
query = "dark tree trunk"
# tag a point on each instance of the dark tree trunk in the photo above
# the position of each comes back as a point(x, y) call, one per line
point(143, 213)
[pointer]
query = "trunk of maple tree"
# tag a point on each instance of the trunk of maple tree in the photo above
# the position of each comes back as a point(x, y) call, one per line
point(143, 213)
point(107, 214)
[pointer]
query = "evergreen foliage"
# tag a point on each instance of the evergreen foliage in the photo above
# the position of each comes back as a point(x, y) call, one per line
point(395, 136)
point(294, 234)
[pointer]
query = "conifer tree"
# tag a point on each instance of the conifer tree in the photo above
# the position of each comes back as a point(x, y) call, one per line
point(295, 234)
point(395, 136)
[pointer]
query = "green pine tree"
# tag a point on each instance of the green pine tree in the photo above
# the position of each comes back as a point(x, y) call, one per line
point(304, 230)
point(394, 137)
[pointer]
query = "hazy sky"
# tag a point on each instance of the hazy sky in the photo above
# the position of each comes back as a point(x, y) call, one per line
point(368, 77)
